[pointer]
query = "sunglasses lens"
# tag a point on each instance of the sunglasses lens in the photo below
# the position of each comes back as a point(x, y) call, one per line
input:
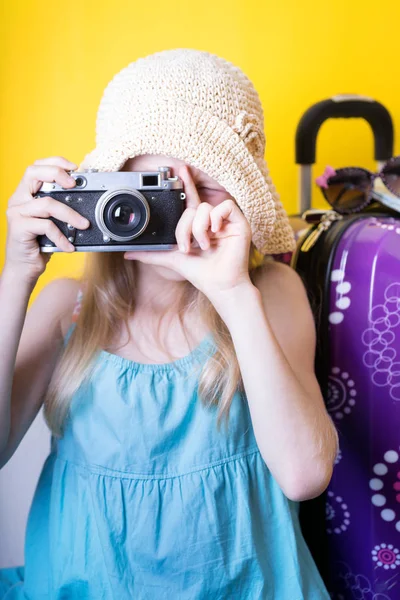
point(391, 176)
point(348, 190)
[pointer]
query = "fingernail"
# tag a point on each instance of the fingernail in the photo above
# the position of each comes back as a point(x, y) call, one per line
point(183, 247)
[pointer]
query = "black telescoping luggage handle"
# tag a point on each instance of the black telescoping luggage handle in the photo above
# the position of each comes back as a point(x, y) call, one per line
point(342, 106)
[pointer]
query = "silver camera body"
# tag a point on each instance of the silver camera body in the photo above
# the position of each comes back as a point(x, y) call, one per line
point(127, 210)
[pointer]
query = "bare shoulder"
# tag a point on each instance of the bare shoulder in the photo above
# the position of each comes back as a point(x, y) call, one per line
point(45, 326)
point(289, 313)
point(57, 300)
point(280, 285)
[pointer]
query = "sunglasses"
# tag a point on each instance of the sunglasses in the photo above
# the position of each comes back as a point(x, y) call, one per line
point(351, 189)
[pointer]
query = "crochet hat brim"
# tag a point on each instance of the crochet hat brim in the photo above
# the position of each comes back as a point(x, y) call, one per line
point(193, 136)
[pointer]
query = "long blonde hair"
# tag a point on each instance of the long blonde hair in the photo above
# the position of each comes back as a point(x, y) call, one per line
point(109, 301)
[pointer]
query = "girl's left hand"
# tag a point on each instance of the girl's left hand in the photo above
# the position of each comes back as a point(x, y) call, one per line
point(223, 234)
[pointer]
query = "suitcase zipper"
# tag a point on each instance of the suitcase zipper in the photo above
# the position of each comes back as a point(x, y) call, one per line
point(326, 221)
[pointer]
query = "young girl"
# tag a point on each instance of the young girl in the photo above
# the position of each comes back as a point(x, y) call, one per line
point(186, 419)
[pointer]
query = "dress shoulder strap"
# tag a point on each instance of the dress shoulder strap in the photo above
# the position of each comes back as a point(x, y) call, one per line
point(78, 301)
point(78, 304)
point(75, 313)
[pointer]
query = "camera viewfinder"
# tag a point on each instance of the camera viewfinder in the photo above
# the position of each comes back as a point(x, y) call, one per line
point(149, 180)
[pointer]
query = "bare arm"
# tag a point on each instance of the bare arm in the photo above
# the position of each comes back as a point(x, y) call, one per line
point(31, 344)
point(274, 336)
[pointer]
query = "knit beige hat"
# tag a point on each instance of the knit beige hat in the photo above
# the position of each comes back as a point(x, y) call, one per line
point(199, 108)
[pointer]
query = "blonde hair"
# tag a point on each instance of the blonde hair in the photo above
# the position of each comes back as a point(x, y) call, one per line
point(108, 302)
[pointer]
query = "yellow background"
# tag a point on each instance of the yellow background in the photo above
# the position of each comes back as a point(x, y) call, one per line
point(57, 57)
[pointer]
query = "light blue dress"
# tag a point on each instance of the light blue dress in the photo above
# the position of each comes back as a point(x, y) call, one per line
point(144, 499)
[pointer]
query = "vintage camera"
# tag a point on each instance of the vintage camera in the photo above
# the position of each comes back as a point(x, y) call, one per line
point(136, 210)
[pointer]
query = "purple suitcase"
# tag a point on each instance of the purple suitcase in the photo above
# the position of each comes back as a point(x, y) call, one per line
point(352, 274)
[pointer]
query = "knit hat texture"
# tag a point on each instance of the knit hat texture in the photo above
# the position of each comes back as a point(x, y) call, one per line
point(199, 108)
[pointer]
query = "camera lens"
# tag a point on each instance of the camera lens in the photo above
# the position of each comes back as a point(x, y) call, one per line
point(122, 215)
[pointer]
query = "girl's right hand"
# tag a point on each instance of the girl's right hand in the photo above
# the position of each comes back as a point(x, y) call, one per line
point(28, 217)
